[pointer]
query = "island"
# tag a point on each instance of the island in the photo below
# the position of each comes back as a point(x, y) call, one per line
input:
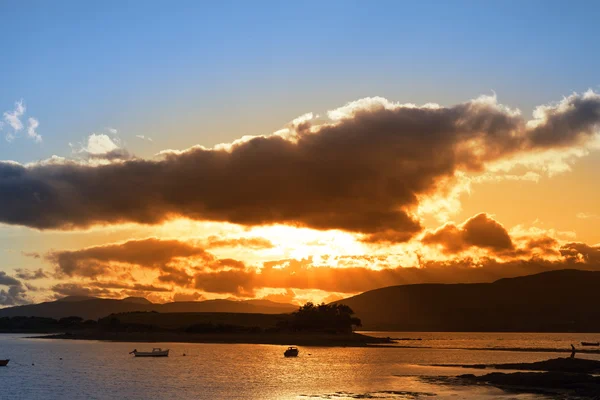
point(311, 325)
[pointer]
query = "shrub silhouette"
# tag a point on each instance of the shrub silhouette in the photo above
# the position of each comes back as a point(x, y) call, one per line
point(70, 321)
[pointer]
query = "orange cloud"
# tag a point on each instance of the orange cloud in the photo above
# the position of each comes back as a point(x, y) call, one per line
point(252, 242)
point(179, 296)
point(301, 274)
point(478, 231)
point(184, 268)
point(581, 252)
point(149, 253)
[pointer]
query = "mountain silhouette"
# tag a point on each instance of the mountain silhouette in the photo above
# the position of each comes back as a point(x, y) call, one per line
point(555, 301)
point(94, 308)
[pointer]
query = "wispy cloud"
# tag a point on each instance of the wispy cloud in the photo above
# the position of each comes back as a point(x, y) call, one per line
point(583, 215)
point(13, 120)
point(144, 138)
point(32, 126)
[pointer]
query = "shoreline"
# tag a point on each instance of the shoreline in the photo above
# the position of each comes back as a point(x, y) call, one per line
point(287, 339)
point(514, 349)
point(300, 339)
point(556, 377)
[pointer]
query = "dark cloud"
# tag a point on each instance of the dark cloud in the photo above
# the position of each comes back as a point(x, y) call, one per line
point(31, 254)
point(364, 173)
point(239, 282)
point(113, 155)
point(106, 289)
point(14, 296)
point(228, 263)
point(16, 293)
point(77, 289)
point(478, 231)
point(134, 286)
point(8, 280)
point(31, 287)
point(547, 245)
point(29, 275)
point(574, 119)
point(581, 252)
point(176, 276)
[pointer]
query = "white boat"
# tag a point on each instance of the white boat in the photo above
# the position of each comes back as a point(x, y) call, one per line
point(156, 352)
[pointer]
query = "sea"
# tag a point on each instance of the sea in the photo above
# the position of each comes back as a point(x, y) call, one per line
point(73, 369)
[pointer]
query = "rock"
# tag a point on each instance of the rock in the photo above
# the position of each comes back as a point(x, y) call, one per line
point(579, 365)
point(583, 385)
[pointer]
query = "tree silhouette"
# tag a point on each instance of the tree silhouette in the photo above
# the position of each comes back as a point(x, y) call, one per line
point(324, 318)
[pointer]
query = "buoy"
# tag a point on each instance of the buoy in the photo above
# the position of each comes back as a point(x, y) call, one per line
point(60, 358)
point(184, 354)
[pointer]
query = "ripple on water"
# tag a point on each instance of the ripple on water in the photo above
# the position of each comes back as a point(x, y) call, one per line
point(105, 370)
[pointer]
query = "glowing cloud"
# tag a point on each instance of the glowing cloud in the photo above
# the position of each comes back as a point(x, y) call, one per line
point(365, 171)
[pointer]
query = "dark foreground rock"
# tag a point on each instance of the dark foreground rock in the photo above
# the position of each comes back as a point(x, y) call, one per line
point(574, 365)
point(578, 365)
point(569, 384)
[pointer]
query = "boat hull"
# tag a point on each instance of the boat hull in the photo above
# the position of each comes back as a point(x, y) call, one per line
point(3, 363)
point(290, 353)
point(152, 354)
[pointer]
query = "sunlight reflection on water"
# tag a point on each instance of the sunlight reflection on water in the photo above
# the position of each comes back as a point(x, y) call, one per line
point(489, 340)
point(103, 370)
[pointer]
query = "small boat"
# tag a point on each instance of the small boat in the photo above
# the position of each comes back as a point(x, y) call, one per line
point(590, 343)
point(3, 363)
point(156, 352)
point(291, 352)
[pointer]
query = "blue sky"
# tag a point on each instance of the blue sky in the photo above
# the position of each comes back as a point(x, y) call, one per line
point(186, 73)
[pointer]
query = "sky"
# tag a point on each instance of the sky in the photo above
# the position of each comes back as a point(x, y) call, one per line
point(293, 152)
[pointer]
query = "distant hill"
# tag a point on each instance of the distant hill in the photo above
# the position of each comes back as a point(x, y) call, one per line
point(555, 301)
point(137, 300)
point(70, 299)
point(181, 320)
point(94, 308)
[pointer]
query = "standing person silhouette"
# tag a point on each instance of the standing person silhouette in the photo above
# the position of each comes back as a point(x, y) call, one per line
point(573, 351)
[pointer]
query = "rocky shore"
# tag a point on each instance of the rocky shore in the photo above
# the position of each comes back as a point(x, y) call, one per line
point(559, 376)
